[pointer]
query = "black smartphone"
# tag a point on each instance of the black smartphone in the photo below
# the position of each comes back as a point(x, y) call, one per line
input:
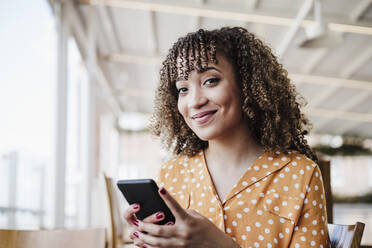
point(145, 193)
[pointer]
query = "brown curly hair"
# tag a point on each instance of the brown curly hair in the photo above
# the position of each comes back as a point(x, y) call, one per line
point(268, 97)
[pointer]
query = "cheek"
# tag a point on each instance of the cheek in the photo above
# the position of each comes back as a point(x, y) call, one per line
point(181, 108)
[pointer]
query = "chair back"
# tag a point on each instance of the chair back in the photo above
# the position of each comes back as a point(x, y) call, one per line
point(59, 238)
point(118, 235)
point(345, 236)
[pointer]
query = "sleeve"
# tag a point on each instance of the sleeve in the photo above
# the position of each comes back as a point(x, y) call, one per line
point(173, 177)
point(311, 229)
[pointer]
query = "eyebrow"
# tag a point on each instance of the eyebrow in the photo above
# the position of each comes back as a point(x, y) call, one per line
point(210, 68)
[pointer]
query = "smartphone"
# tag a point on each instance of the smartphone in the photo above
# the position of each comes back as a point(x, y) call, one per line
point(145, 193)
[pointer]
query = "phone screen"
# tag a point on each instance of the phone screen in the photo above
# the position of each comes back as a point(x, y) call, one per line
point(145, 193)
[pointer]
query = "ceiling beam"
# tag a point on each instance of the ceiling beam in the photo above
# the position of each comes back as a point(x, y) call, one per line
point(296, 77)
point(359, 10)
point(335, 23)
point(338, 114)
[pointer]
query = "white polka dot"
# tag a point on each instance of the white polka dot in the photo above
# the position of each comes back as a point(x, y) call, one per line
point(244, 237)
point(267, 230)
point(257, 184)
point(269, 245)
point(297, 245)
point(246, 210)
point(260, 237)
point(285, 188)
point(281, 175)
point(314, 222)
point(297, 207)
point(228, 230)
point(244, 183)
point(256, 168)
point(284, 203)
point(258, 224)
point(281, 235)
point(268, 201)
point(170, 167)
point(259, 212)
point(287, 169)
point(314, 203)
point(297, 185)
point(225, 216)
point(254, 201)
point(276, 208)
point(248, 190)
point(211, 209)
point(265, 166)
point(270, 158)
point(270, 221)
point(284, 158)
point(294, 163)
point(248, 228)
point(282, 220)
point(287, 230)
point(239, 215)
point(256, 244)
point(314, 232)
point(276, 163)
point(200, 203)
point(234, 223)
point(316, 187)
point(302, 195)
point(240, 203)
point(312, 243)
point(294, 176)
point(253, 179)
point(306, 215)
point(303, 238)
point(239, 196)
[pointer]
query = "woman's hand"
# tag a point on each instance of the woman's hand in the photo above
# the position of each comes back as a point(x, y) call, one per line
point(130, 217)
point(190, 230)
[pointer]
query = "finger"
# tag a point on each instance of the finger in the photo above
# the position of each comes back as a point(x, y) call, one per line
point(154, 241)
point(129, 214)
point(173, 205)
point(154, 218)
point(165, 231)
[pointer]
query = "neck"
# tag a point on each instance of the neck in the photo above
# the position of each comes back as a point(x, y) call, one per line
point(236, 149)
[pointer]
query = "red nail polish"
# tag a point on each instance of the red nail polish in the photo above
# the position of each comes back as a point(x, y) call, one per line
point(136, 206)
point(144, 246)
point(135, 222)
point(170, 223)
point(135, 234)
point(163, 191)
point(159, 215)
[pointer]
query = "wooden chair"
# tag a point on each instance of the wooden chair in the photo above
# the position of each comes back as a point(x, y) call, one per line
point(325, 167)
point(345, 236)
point(59, 238)
point(118, 237)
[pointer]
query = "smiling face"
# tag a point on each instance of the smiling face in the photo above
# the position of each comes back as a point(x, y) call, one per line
point(210, 101)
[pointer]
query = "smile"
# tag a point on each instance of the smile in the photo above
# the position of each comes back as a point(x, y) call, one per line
point(203, 117)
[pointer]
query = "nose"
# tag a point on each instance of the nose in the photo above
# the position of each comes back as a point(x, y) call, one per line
point(197, 98)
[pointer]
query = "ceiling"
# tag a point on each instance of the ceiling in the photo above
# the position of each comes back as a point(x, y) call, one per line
point(132, 38)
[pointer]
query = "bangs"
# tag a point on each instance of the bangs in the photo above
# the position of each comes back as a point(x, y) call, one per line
point(193, 52)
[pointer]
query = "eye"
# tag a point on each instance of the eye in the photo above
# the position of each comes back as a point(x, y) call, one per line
point(182, 90)
point(210, 81)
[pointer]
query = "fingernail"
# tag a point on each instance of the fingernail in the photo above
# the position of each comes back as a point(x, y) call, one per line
point(170, 223)
point(135, 206)
point(135, 234)
point(144, 246)
point(163, 191)
point(159, 215)
point(135, 222)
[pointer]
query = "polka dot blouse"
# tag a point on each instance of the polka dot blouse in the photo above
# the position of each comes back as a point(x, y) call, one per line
point(278, 202)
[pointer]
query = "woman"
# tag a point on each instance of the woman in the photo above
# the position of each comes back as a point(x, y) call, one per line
point(243, 174)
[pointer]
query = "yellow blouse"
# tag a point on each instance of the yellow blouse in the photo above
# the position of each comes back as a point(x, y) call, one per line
point(278, 202)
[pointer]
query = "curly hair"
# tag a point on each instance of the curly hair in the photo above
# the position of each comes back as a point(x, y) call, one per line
point(269, 99)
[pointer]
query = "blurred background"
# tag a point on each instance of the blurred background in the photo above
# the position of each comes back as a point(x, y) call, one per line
point(77, 85)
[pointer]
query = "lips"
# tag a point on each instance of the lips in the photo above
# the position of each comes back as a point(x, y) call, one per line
point(203, 117)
